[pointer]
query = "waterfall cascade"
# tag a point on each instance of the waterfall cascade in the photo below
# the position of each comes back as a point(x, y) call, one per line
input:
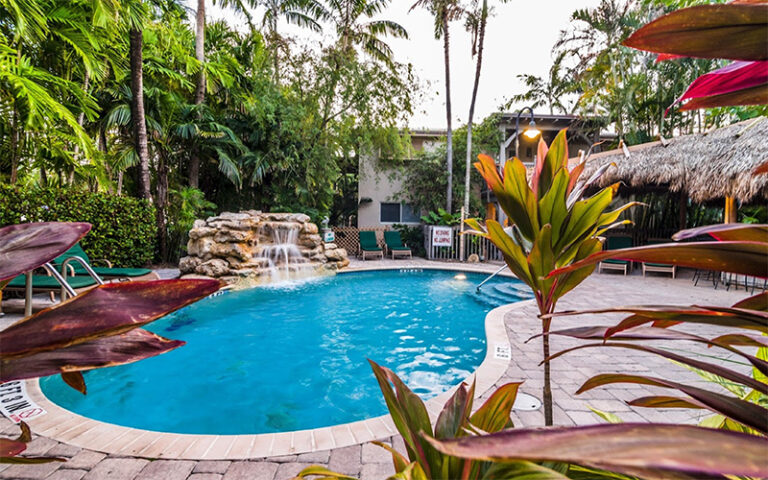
point(255, 247)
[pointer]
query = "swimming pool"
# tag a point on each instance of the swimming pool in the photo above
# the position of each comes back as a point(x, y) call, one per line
point(293, 357)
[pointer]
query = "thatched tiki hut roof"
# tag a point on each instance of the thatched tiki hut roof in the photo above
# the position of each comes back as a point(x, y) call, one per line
point(707, 166)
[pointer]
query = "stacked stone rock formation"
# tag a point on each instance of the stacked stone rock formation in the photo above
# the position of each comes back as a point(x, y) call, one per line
point(230, 247)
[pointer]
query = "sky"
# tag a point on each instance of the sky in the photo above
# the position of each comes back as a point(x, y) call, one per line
point(519, 40)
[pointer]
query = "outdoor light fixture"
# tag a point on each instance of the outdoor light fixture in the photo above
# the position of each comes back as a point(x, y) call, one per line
point(460, 276)
point(530, 132)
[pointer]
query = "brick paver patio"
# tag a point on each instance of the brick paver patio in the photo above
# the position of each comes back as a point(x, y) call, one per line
point(369, 462)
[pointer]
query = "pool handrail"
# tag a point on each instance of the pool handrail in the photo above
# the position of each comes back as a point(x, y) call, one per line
point(491, 276)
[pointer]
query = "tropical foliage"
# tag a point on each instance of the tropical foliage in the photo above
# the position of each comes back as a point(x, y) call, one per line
point(551, 226)
point(124, 228)
point(595, 73)
point(277, 124)
point(99, 328)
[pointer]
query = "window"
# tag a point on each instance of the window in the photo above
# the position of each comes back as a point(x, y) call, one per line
point(409, 214)
point(390, 212)
point(398, 213)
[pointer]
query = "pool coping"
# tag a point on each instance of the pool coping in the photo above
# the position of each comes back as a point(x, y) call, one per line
point(68, 427)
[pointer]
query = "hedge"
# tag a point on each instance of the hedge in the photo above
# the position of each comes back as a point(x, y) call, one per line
point(124, 229)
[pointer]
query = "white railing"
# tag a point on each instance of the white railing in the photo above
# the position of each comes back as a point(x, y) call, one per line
point(482, 247)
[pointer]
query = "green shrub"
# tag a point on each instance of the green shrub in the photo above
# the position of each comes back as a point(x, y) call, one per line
point(124, 229)
point(413, 237)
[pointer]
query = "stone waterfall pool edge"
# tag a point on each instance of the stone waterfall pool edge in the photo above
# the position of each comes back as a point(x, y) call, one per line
point(68, 427)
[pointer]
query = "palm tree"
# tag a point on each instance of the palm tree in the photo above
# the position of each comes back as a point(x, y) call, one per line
point(476, 21)
point(194, 160)
point(347, 17)
point(594, 42)
point(445, 11)
point(547, 92)
point(304, 13)
point(135, 14)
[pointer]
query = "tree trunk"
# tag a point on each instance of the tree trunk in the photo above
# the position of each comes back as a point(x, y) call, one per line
point(14, 145)
point(481, 39)
point(547, 390)
point(194, 160)
point(80, 121)
point(137, 112)
point(449, 130)
point(161, 202)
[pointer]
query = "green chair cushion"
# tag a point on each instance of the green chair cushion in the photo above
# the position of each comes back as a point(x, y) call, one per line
point(50, 283)
point(77, 251)
point(658, 264)
point(615, 243)
point(121, 272)
point(394, 241)
point(615, 261)
point(368, 240)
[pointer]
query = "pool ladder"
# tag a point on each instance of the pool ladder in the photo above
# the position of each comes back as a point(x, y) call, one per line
point(491, 276)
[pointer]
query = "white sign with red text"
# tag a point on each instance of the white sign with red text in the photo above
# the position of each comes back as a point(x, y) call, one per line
point(15, 404)
point(442, 236)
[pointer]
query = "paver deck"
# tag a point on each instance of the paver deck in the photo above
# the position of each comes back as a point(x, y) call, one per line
point(369, 462)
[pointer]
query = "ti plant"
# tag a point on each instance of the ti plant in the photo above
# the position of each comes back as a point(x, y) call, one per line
point(422, 461)
point(741, 249)
point(662, 451)
point(98, 328)
point(551, 227)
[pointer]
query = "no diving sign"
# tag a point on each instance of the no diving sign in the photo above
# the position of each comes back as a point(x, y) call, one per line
point(15, 404)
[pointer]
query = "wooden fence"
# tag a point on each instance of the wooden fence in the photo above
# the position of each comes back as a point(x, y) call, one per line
point(348, 239)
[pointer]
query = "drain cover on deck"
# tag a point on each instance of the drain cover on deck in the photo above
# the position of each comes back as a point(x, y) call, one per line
point(526, 402)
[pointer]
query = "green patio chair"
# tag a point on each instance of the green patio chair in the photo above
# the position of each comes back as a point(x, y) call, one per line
point(659, 267)
point(615, 243)
point(368, 244)
point(395, 244)
point(49, 284)
point(70, 266)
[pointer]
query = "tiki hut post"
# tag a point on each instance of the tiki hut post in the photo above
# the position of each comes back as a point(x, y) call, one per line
point(683, 209)
point(730, 210)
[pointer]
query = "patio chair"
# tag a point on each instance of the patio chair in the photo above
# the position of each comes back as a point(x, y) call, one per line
point(74, 262)
point(50, 284)
point(368, 244)
point(615, 243)
point(659, 267)
point(395, 244)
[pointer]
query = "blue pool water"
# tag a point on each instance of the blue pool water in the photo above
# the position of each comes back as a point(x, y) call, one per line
point(281, 358)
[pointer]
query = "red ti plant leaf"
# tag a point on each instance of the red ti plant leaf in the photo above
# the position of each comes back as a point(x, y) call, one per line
point(9, 449)
point(114, 350)
point(734, 31)
point(698, 364)
point(625, 447)
point(744, 412)
point(709, 315)
point(27, 246)
point(93, 314)
point(757, 95)
point(409, 415)
point(727, 231)
point(740, 83)
point(743, 257)
point(663, 401)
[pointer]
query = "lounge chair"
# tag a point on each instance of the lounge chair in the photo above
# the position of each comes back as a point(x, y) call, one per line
point(71, 286)
point(615, 243)
point(71, 266)
point(368, 244)
point(659, 267)
point(395, 245)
